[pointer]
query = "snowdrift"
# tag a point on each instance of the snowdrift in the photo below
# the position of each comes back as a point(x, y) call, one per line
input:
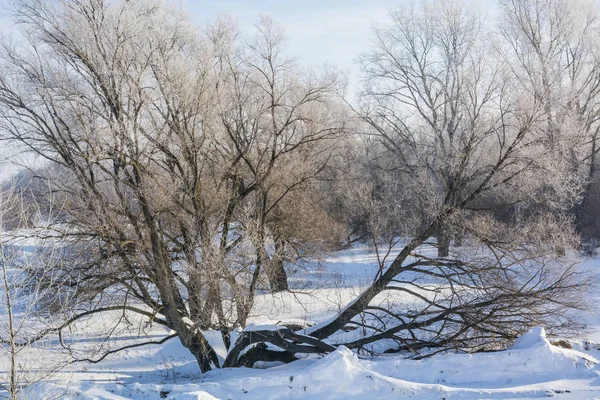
point(532, 368)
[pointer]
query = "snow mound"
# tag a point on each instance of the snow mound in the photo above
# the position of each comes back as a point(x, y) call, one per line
point(531, 360)
point(524, 372)
point(194, 396)
point(535, 337)
point(339, 375)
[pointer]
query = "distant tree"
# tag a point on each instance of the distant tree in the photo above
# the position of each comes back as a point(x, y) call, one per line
point(24, 312)
point(553, 53)
point(285, 129)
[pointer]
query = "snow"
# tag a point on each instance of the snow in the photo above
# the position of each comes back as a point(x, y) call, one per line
point(536, 337)
point(539, 371)
point(532, 368)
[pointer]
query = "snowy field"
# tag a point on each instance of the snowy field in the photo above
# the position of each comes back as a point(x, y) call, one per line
point(532, 368)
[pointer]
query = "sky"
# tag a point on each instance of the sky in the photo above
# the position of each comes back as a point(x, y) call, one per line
point(317, 32)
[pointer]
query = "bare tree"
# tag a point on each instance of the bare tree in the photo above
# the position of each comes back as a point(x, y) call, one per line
point(552, 51)
point(11, 340)
point(26, 317)
point(173, 150)
point(180, 154)
point(453, 127)
point(282, 124)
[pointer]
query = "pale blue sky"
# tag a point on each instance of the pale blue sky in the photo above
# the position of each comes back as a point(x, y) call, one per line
point(317, 32)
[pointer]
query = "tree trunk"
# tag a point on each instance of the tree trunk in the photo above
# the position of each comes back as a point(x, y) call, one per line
point(202, 351)
point(290, 342)
point(260, 352)
point(277, 276)
point(458, 239)
point(276, 272)
point(443, 241)
point(190, 335)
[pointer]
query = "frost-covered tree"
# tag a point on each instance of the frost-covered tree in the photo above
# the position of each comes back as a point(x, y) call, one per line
point(553, 53)
point(459, 137)
point(173, 150)
point(24, 315)
point(183, 160)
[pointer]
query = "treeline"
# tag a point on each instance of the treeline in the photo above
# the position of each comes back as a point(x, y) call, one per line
point(185, 167)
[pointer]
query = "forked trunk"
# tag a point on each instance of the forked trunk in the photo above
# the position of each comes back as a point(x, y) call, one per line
point(197, 344)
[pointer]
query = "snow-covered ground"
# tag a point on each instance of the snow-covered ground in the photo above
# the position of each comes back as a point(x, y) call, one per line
point(532, 368)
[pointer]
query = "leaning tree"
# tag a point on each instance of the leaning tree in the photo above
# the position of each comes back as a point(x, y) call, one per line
point(462, 149)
